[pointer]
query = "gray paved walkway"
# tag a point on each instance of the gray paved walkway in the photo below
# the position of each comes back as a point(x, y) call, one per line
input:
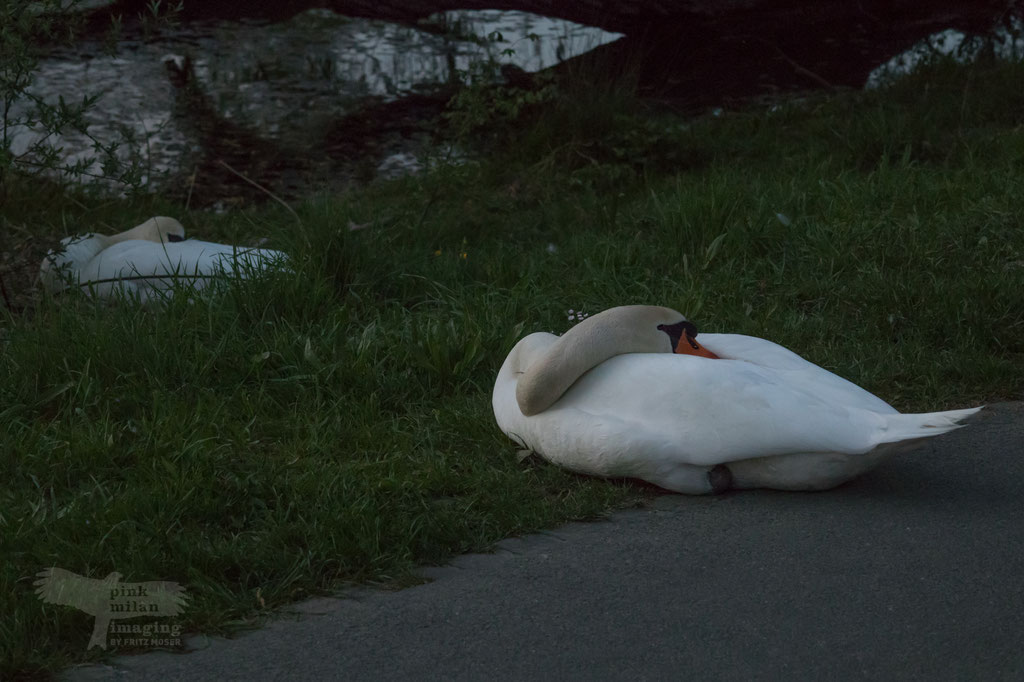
point(915, 571)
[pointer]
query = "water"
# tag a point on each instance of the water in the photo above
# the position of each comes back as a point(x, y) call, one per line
point(289, 82)
point(285, 81)
point(1004, 43)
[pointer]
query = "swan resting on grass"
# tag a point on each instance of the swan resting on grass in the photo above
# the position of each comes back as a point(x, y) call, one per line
point(145, 262)
point(630, 393)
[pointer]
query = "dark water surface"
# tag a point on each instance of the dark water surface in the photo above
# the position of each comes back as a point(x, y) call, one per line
point(289, 83)
point(286, 82)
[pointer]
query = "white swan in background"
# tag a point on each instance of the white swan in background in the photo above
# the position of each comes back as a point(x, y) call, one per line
point(146, 260)
point(630, 393)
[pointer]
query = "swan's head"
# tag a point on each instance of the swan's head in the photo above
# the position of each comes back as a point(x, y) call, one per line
point(616, 331)
point(641, 329)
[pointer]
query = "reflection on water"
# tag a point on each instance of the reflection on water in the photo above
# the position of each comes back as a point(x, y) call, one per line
point(286, 81)
point(291, 81)
point(1004, 43)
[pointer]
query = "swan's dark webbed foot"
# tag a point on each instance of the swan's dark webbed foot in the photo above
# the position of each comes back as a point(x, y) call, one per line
point(720, 478)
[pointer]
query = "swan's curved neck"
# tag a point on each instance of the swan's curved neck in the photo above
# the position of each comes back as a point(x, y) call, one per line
point(628, 329)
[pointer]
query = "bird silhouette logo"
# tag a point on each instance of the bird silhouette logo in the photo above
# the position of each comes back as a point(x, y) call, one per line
point(109, 599)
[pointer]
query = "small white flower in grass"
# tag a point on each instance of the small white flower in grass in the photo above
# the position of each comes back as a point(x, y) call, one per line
point(577, 315)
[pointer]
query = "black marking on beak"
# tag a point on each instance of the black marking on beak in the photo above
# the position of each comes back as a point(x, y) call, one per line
point(678, 330)
point(175, 238)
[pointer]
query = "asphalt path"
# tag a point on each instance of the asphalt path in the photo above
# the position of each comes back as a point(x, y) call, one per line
point(915, 571)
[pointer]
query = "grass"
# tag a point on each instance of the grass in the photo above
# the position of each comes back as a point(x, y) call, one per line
point(333, 424)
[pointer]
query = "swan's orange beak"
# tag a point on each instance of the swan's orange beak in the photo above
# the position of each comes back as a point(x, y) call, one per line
point(688, 346)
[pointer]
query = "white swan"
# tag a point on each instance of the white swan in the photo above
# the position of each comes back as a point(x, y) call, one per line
point(611, 398)
point(145, 261)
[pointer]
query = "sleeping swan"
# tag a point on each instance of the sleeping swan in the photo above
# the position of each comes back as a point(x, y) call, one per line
point(630, 393)
point(146, 260)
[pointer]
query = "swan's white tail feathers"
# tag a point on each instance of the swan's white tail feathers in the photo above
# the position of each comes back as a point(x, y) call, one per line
point(902, 427)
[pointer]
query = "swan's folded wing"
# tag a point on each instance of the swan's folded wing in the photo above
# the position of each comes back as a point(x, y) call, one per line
point(697, 411)
point(236, 260)
point(156, 264)
point(800, 372)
